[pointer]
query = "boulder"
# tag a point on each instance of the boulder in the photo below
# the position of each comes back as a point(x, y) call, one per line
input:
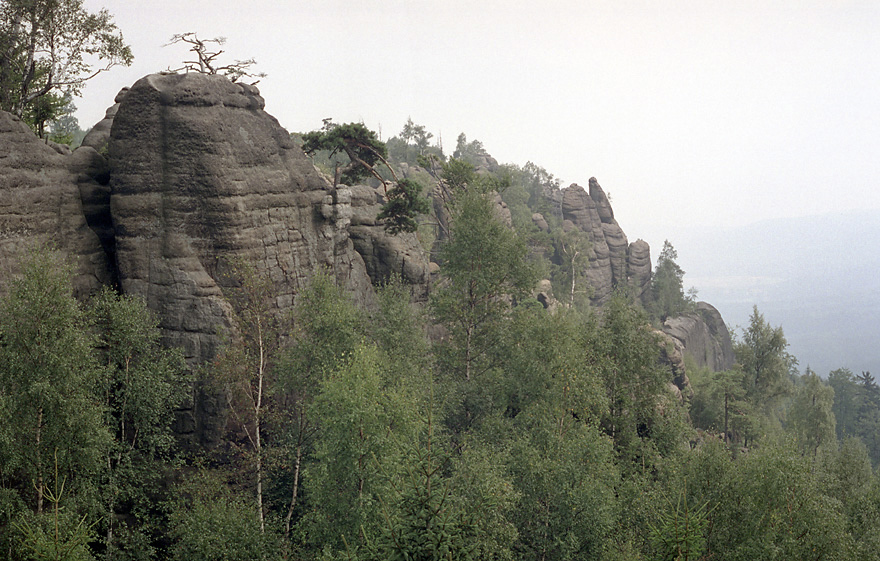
point(540, 222)
point(672, 356)
point(703, 335)
point(99, 135)
point(41, 206)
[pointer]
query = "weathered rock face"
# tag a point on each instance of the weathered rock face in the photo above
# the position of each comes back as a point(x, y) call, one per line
point(385, 255)
point(638, 270)
point(40, 205)
point(672, 356)
point(612, 260)
point(703, 335)
point(201, 176)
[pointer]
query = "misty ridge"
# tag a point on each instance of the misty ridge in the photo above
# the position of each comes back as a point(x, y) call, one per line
point(815, 276)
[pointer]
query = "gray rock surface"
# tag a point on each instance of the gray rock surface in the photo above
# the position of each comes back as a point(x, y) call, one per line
point(385, 255)
point(591, 213)
point(40, 205)
point(613, 261)
point(201, 176)
point(539, 221)
point(703, 335)
point(672, 355)
point(639, 270)
point(99, 135)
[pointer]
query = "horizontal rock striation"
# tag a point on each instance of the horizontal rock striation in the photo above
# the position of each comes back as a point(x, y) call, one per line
point(613, 261)
point(384, 255)
point(202, 176)
point(41, 206)
point(703, 335)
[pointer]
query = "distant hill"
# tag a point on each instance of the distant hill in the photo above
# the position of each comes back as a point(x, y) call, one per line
point(815, 276)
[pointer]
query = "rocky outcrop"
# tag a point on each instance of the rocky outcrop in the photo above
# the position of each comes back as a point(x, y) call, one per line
point(99, 136)
point(703, 335)
point(672, 356)
point(639, 271)
point(385, 255)
point(41, 206)
point(201, 176)
point(612, 261)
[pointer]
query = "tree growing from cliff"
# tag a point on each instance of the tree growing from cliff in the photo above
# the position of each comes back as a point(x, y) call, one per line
point(53, 46)
point(365, 154)
point(206, 62)
point(572, 249)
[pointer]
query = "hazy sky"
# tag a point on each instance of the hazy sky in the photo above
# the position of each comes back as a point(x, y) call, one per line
point(688, 113)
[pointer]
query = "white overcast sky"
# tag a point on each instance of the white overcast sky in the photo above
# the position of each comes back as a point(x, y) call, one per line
point(688, 113)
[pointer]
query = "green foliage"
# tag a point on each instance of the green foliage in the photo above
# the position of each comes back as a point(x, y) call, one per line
point(572, 252)
point(424, 522)
point(48, 46)
point(811, 416)
point(327, 327)
point(667, 286)
point(55, 536)
point(44, 109)
point(208, 522)
point(557, 435)
point(360, 144)
point(361, 421)
point(471, 152)
point(49, 380)
point(565, 475)
point(64, 127)
point(483, 268)
point(411, 144)
point(405, 202)
point(635, 384)
point(143, 384)
point(762, 354)
point(680, 531)
point(864, 520)
point(769, 505)
point(868, 414)
point(547, 364)
point(845, 407)
point(398, 329)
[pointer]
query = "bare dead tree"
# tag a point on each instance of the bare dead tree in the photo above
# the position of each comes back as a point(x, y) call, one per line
point(206, 62)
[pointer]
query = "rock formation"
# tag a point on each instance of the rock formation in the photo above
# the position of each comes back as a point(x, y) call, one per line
point(703, 335)
point(612, 261)
point(41, 206)
point(99, 136)
point(639, 270)
point(385, 255)
point(201, 176)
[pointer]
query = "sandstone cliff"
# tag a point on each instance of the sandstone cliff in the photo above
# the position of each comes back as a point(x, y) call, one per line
point(385, 255)
point(703, 335)
point(613, 261)
point(41, 205)
point(200, 176)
